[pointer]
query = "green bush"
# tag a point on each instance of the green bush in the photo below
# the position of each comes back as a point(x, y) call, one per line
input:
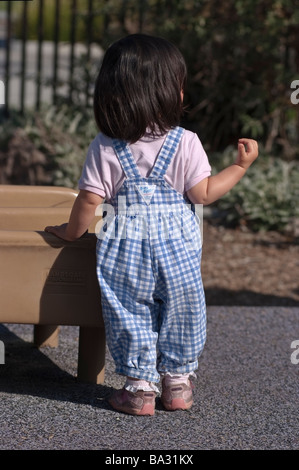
point(242, 56)
point(49, 19)
point(265, 199)
point(72, 130)
point(61, 133)
point(267, 196)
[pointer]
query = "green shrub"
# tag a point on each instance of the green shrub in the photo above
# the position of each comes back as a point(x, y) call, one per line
point(267, 196)
point(72, 129)
point(61, 133)
point(241, 55)
point(265, 199)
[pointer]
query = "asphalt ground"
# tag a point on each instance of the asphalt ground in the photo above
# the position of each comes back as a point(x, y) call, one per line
point(246, 394)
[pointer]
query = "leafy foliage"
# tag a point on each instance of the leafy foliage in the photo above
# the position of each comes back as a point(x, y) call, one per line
point(242, 56)
point(265, 199)
point(62, 134)
point(267, 196)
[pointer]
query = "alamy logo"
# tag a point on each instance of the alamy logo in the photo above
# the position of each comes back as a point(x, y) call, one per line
point(2, 92)
point(2, 353)
point(295, 94)
point(139, 221)
point(295, 354)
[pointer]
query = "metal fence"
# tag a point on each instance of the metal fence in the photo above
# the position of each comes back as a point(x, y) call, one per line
point(39, 70)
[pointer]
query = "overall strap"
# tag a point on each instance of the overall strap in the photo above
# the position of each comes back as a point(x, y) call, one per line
point(167, 151)
point(126, 158)
point(163, 160)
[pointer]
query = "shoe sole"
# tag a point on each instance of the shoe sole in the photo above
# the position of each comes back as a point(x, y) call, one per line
point(177, 404)
point(146, 410)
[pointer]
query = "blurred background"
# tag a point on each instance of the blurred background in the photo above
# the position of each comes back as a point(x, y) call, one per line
point(242, 58)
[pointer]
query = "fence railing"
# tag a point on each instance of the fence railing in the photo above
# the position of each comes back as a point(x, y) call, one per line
point(40, 70)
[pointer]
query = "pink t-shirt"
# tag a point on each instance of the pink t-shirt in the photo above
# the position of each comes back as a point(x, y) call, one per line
point(102, 173)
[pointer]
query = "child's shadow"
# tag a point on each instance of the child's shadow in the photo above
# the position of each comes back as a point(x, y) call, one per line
point(28, 371)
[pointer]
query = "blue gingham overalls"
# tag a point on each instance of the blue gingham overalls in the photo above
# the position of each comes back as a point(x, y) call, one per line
point(148, 266)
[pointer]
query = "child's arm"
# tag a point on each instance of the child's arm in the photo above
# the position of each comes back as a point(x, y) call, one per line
point(83, 212)
point(212, 188)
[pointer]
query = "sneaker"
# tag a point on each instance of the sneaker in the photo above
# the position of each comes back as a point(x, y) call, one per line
point(139, 403)
point(177, 396)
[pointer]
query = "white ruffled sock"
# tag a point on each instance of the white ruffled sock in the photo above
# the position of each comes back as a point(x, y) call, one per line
point(134, 385)
point(175, 379)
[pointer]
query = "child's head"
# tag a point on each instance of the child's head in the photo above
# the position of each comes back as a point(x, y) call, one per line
point(139, 86)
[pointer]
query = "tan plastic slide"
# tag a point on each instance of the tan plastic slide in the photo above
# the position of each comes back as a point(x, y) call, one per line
point(46, 281)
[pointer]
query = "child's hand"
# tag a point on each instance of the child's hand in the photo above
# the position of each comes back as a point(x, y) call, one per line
point(58, 230)
point(247, 152)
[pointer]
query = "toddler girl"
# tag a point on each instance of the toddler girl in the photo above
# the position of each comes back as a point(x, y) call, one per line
point(150, 172)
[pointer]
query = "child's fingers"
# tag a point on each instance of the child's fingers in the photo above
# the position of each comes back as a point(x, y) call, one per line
point(247, 152)
point(249, 145)
point(242, 149)
point(58, 230)
point(51, 228)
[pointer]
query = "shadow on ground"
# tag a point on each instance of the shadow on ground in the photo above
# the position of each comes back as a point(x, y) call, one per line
point(246, 298)
point(29, 371)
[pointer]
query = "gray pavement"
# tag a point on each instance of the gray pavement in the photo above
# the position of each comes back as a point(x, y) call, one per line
point(246, 394)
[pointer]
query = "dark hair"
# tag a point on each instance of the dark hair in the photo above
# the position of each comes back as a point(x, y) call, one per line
point(139, 86)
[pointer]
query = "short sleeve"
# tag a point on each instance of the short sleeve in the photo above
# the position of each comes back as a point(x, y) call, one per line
point(197, 164)
point(91, 179)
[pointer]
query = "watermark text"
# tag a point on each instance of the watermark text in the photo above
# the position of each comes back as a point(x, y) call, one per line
point(2, 353)
point(2, 92)
point(295, 94)
point(139, 221)
point(295, 354)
